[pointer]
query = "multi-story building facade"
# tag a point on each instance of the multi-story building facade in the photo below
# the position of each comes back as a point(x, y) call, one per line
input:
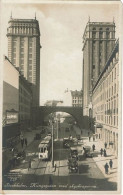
point(77, 97)
point(105, 100)
point(24, 51)
point(17, 100)
point(25, 102)
point(98, 42)
point(10, 90)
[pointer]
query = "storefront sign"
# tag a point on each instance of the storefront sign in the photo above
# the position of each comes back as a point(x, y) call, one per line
point(11, 116)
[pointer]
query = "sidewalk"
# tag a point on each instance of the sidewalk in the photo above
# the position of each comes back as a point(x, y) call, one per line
point(101, 160)
point(30, 137)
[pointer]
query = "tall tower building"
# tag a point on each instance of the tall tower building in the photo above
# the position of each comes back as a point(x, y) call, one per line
point(24, 51)
point(98, 42)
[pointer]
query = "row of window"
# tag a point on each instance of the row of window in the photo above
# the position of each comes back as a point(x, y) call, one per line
point(109, 120)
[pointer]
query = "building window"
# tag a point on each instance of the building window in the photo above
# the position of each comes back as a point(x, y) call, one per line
point(22, 55)
point(22, 50)
point(30, 73)
point(115, 88)
point(115, 74)
point(112, 76)
point(93, 34)
point(30, 50)
point(112, 90)
point(30, 61)
point(30, 67)
point(22, 61)
point(101, 35)
point(30, 55)
point(114, 120)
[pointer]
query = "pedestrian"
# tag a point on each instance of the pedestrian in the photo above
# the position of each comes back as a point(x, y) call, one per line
point(101, 151)
point(93, 147)
point(111, 163)
point(26, 142)
point(29, 167)
point(105, 153)
point(105, 145)
point(89, 138)
point(55, 168)
point(22, 142)
point(106, 168)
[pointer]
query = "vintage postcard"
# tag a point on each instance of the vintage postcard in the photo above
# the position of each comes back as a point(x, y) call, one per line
point(61, 96)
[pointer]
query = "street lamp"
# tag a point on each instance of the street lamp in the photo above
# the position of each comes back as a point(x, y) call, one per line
point(52, 142)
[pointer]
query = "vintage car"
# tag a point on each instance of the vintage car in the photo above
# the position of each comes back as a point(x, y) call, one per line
point(67, 143)
point(88, 151)
point(72, 165)
point(74, 153)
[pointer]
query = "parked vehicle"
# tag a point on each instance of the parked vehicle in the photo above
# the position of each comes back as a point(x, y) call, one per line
point(45, 148)
point(72, 165)
point(88, 151)
point(74, 153)
point(67, 143)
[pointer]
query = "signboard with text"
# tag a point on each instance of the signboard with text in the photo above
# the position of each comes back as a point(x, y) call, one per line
point(11, 117)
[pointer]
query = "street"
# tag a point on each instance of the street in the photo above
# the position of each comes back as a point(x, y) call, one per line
point(42, 176)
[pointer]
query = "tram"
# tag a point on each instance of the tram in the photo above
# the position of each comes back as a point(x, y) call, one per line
point(45, 148)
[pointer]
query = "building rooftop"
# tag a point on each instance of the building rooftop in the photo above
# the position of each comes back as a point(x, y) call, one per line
point(77, 93)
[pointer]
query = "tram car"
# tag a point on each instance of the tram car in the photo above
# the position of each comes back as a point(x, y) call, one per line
point(45, 148)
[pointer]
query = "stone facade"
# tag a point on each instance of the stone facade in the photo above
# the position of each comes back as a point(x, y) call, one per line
point(105, 101)
point(77, 97)
point(98, 42)
point(24, 51)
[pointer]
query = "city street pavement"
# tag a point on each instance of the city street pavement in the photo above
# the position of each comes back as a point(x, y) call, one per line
point(101, 160)
point(30, 138)
point(90, 175)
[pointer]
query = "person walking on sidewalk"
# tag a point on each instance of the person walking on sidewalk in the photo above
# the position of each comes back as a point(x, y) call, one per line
point(55, 168)
point(106, 168)
point(93, 147)
point(29, 166)
point(105, 145)
point(111, 163)
point(26, 142)
point(105, 153)
point(22, 142)
point(101, 151)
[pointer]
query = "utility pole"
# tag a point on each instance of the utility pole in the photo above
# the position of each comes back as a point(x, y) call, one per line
point(52, 142)
point(57, 128)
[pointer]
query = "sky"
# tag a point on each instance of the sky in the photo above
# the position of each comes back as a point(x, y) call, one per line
point(61, 26)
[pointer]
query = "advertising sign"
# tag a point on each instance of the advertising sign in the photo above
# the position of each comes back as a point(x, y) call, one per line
point(11, 116)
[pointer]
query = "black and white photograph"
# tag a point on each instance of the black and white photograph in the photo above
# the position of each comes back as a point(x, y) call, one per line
point(60, 96)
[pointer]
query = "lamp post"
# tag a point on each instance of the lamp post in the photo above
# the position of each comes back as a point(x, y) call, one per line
point(52, 142)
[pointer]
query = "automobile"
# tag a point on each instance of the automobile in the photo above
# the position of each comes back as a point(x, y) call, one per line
point(74, 153)
point(88, 152)
point(72, 165)
point(37, 136)
point(67, 143)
